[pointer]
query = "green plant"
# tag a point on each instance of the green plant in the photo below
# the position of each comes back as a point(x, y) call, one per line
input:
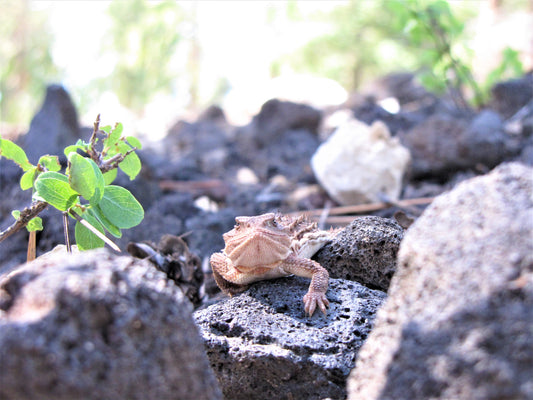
point(367, 39)
point(436, 35)
point(510, 66)
point(84, 191)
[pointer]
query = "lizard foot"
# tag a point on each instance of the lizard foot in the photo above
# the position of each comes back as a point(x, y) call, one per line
point(314, 299)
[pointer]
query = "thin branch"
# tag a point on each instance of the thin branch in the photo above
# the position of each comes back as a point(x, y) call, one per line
point(365, 208)
point(65, 231)
point(94, 230)
point(114, 161)
point(93, 153)
point(25, 216)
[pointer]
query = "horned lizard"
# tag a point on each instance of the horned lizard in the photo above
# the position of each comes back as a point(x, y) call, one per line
point(271, 246)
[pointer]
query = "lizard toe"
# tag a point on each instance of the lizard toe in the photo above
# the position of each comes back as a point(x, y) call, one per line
point(312, 300)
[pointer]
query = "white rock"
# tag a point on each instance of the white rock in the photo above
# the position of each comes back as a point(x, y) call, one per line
point(246, 176)
point(360, 163)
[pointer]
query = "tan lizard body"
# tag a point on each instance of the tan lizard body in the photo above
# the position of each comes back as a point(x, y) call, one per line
point(271, 246)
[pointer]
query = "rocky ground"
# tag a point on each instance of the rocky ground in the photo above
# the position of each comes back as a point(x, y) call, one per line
point(453, 293)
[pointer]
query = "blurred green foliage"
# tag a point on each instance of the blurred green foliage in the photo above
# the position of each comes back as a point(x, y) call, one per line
point(143, 38)
point(358, 44)
point(25, 60)
point(370, 38)
point(358, 40)
point(436, 36)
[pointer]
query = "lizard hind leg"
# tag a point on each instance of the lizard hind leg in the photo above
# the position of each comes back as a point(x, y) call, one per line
point(219, 267)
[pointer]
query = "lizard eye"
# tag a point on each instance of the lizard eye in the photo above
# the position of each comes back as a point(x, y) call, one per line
point(273, 223)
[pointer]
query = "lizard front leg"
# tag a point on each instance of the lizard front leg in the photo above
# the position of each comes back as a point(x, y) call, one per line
point(316, 296)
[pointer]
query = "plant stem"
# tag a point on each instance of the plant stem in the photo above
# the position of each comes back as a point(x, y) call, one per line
point(30, 255)
point(25, 216)
point(65, 231)
point(94, 230)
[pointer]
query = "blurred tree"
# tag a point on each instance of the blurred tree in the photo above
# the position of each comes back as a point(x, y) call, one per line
point(26, 60)
point(359, 44)
point(144, 37)
point(367, 39)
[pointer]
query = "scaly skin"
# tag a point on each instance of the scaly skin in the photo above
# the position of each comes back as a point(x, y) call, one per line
point(271, 246)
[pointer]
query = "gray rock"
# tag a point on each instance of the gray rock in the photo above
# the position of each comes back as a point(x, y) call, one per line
point(98, 326)
point(368, 111)
point(509, 96)
point(365, 251)
point(54, 127)
point(485, 141)
point(262, 346)
point(288, 155)
point(435, 145)
point(526, 156)
point(204, 231)
point(458, 322)
point(277, 117)
point(444, 144)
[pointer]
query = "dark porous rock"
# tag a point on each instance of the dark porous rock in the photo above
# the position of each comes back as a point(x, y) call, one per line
point(521, 123)
point(444, 144)
point(277, 117)
point(203, 232)
point(54, 127)
point(289, 156)
point(365, 251)
point(145, 186)
point(509, 96)
point(261, 345)
point(98, 326)
point(458, 322)
point(369, 112)
point(526, 155)
point(166, 215)
point(434, 145)
point(402, 86)
point(485, 141)
point(172, 256)
point(198, 150)
point(213, 113)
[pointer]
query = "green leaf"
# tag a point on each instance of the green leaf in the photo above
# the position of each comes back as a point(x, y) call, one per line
point(26, 180)
point(134, 142)
point(97, 213)
point(120, 207)
point(110, 176)
point(13, 152)
point(86, 178)
point(131, 165)
point(35, 224)
point(53, 188)
point(80, 145)
point(85, 239)
point(100, 184)
point(51, 163)
point(15, 214)
point(106, 129)
point(114, 135)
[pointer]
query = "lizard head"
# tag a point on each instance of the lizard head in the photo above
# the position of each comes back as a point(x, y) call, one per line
point(258, 241)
